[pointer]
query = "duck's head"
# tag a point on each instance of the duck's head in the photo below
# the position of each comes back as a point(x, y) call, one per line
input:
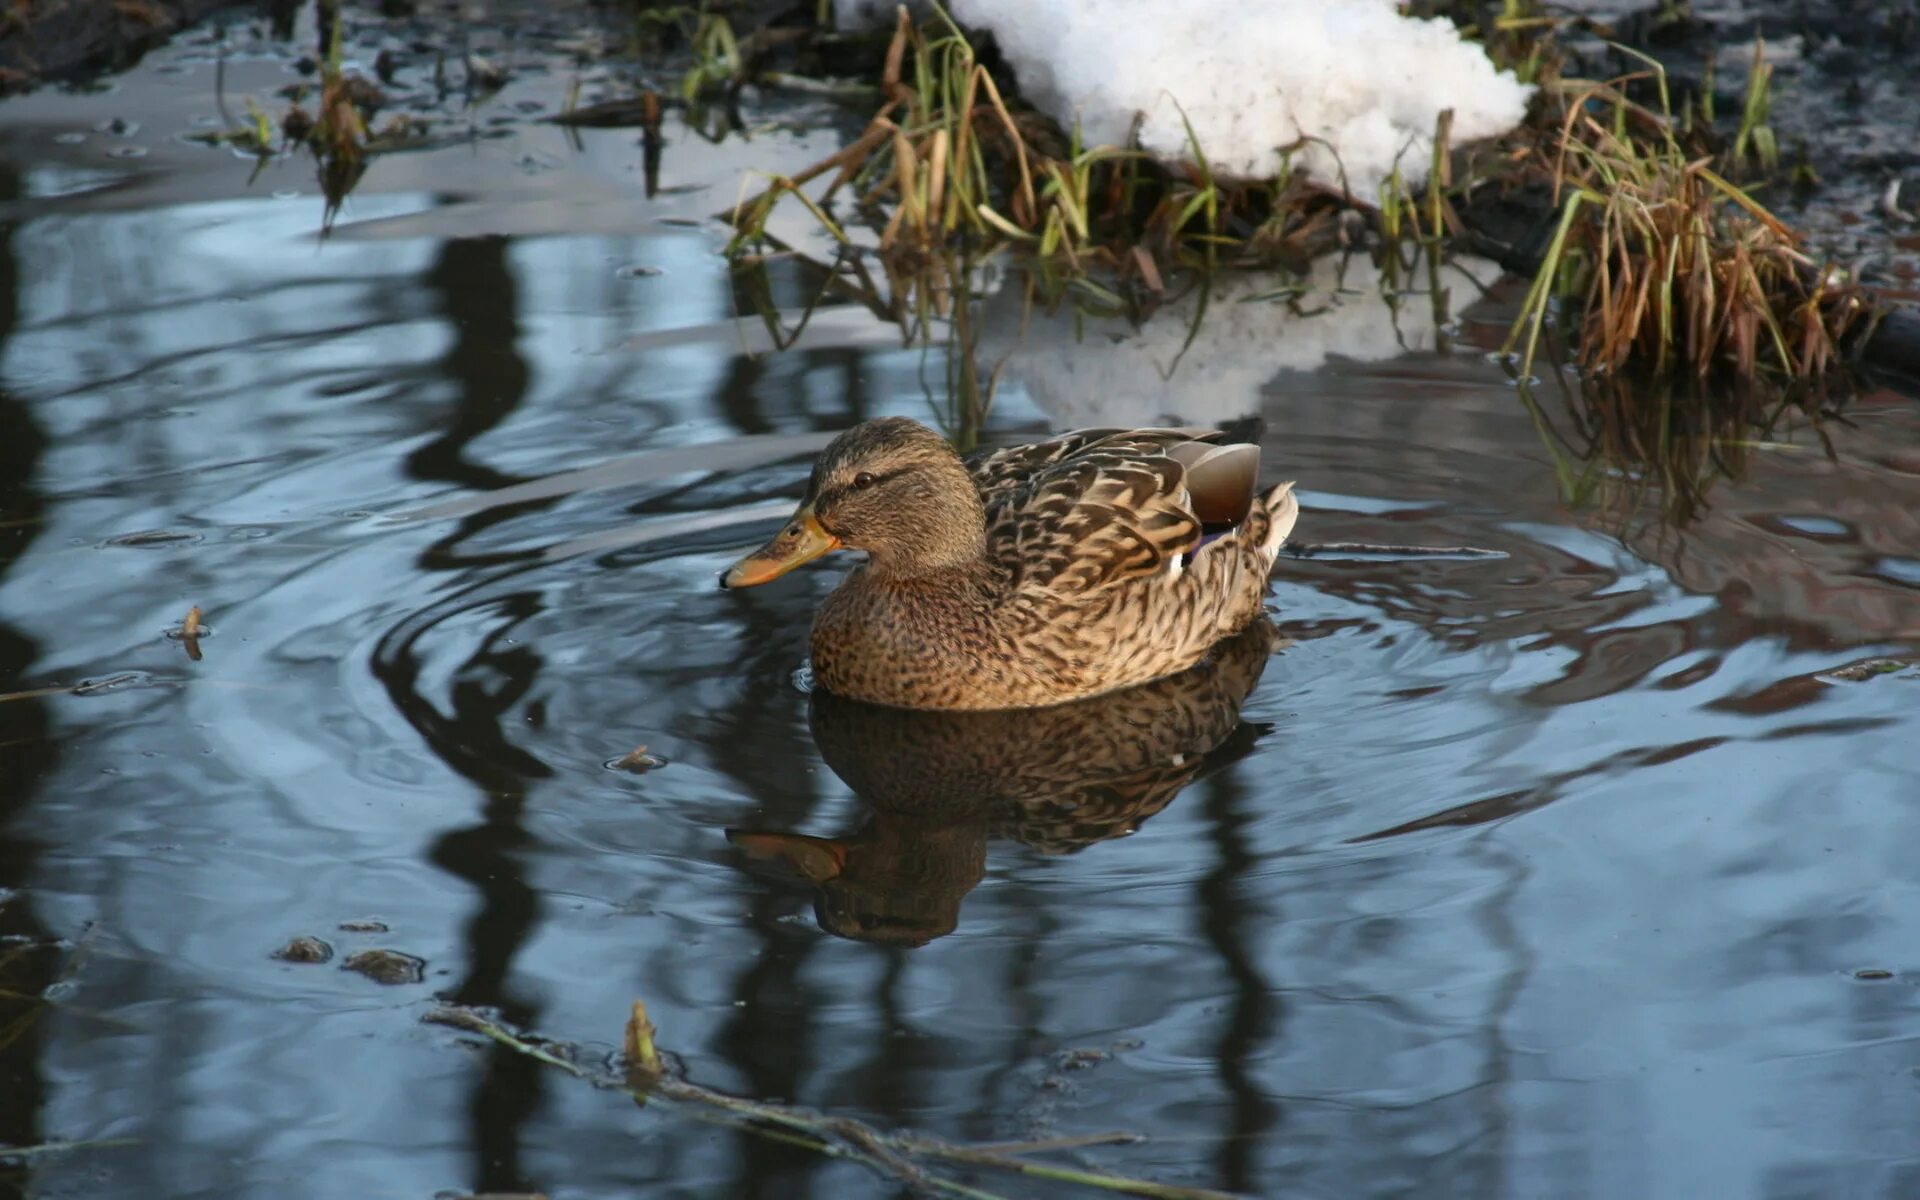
point(891, 487)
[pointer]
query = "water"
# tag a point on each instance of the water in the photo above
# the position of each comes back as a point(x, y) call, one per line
point(1569, 871)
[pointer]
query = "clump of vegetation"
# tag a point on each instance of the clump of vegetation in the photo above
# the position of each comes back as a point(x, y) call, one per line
point(948, 159)
point(340, 133)
point(1665, 266)
point(1661, 264)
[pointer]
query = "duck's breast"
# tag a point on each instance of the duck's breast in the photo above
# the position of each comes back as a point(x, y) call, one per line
point(918, 644)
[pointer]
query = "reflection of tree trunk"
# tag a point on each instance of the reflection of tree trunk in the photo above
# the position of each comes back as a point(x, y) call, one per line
point(1253, 1014)
point(487, 690)
point(777, 1054)
point(513, 1086)
point(23, 731)
point(479, 302)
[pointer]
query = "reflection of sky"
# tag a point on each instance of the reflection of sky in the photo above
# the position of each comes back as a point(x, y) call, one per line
point(1636, 985)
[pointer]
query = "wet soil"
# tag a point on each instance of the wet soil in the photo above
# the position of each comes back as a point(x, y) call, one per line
point(69, 39)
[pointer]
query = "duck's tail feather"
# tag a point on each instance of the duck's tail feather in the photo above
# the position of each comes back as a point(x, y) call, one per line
point(1282, 509)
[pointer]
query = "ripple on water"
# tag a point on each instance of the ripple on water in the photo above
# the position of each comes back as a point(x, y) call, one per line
point(1499, 864)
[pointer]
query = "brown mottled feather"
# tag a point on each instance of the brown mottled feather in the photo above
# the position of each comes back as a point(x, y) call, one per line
point(1093, 520)
point(1059, 779)
point(999, 474)
point(1036, 574)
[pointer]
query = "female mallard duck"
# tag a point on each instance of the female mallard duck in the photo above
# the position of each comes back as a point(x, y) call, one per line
point(1027, 576)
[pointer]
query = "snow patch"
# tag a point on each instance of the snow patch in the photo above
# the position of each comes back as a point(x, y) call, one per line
point(1253, 76)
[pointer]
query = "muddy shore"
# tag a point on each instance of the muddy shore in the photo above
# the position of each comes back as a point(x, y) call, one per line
point(57, 40)
point(1840, 109)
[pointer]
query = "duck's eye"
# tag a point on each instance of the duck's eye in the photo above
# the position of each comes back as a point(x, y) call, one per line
point(863, 480)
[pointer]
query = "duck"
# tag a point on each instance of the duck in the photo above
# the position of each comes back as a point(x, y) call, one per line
point(941, 786)
point(1031, 575)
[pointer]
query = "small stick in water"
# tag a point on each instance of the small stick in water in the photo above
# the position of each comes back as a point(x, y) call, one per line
point(893, 1153)
point(190, 633)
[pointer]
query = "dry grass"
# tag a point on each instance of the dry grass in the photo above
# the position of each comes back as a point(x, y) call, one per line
point(1663, 265)
point(947, 159)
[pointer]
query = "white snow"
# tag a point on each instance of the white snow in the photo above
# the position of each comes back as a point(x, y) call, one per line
point(1253, 76)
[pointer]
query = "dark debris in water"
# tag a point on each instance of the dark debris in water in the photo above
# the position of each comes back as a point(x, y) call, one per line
point(152, 537)
point(110, 683)
point(305, 950)
point(641, 111)
point(1368, 551)
point(388, 967)
point(364, 925)
point(1081, 1059)
point(1873, 974)
point(1867, 669)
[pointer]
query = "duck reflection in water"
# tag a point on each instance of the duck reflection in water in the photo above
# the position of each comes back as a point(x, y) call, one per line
point(942, 784)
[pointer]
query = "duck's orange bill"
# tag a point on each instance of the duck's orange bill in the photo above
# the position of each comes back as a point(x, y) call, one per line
point(801, 541)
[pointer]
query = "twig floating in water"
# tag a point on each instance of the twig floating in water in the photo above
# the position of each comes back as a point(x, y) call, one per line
point(49, 1149)
point(843, 1137)
point(1369, 550)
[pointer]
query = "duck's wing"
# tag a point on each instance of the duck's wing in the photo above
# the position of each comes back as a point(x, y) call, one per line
point(1116, 507)
point(999, 474)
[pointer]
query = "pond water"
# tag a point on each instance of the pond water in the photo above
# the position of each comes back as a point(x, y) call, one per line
point(1573, 869)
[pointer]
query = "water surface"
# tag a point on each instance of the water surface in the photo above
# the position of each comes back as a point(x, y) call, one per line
point(1571, 870)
